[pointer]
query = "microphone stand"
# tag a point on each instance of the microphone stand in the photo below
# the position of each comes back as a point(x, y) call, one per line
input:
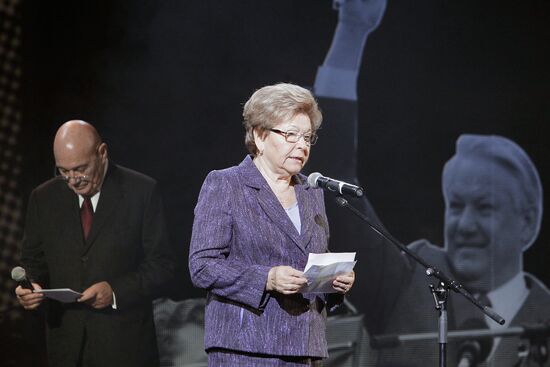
point(439, 292)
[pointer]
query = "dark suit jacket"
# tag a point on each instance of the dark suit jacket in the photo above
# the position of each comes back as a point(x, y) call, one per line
point(240, 232)
point(413, 312)
point(127, 247)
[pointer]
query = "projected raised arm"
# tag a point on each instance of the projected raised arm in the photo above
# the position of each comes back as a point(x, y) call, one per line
point(337, 77)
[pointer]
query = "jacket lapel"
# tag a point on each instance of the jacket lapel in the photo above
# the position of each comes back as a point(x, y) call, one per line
point(268, 201)
point(108, 202)
point(306, 212)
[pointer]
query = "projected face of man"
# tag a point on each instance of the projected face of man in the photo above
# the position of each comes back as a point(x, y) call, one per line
point(485, 229)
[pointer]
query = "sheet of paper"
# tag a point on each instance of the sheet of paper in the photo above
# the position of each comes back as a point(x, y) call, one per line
point(322, 269)
point(328, 258)
point(64, 295)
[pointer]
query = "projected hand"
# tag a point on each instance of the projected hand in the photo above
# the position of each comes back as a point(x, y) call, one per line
point(366, 14)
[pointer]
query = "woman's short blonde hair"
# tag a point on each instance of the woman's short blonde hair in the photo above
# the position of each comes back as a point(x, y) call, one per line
point(274, 104)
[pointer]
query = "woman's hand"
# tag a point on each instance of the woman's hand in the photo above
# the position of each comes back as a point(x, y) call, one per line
point(343, 283)
point(285, 280)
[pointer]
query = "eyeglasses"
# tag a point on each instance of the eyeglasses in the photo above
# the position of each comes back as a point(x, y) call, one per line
point(77, 178)
point(79, 175)
point(294, 136)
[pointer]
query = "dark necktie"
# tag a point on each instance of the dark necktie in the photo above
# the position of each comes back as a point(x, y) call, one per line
point(86, 216)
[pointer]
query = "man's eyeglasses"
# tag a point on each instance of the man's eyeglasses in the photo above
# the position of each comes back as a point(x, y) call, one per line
point(77, 178)
point(294, 136)
point(79, 175)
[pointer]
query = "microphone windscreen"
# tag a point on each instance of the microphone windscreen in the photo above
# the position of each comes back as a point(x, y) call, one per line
point(312, 179)
point(18, 274)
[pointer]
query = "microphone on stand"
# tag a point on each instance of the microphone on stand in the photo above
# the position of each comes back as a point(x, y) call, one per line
point(20, 276)
point(317, 180)
point(472, 352)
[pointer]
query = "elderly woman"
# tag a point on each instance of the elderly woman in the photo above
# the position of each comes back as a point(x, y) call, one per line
point(255, 225)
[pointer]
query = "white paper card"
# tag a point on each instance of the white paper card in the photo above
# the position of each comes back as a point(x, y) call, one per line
point(64, 295)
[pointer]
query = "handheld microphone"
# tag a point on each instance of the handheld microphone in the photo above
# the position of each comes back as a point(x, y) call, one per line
point(317, 180)
point(20, 276)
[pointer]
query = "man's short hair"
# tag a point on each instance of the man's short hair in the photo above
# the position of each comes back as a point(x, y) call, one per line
point(509, 156)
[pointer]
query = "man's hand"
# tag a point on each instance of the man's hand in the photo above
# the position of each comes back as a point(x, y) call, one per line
point(99, 295)
point(27, 298)
point(366, 14)
point(343, 283)
point(285, 280)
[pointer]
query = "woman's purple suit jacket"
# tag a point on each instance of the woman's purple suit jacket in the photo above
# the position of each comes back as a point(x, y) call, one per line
point(240, 232)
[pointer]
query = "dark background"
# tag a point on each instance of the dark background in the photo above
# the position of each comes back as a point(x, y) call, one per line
point(164, 82)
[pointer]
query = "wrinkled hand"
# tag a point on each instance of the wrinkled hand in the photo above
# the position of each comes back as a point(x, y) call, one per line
point(27, 298)
point(99, 295)
point(343, 283)
point(285, 280)
point(364, 13)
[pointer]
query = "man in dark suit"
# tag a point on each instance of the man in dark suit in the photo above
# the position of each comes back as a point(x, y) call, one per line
point(493, 210)
point(97, 228)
